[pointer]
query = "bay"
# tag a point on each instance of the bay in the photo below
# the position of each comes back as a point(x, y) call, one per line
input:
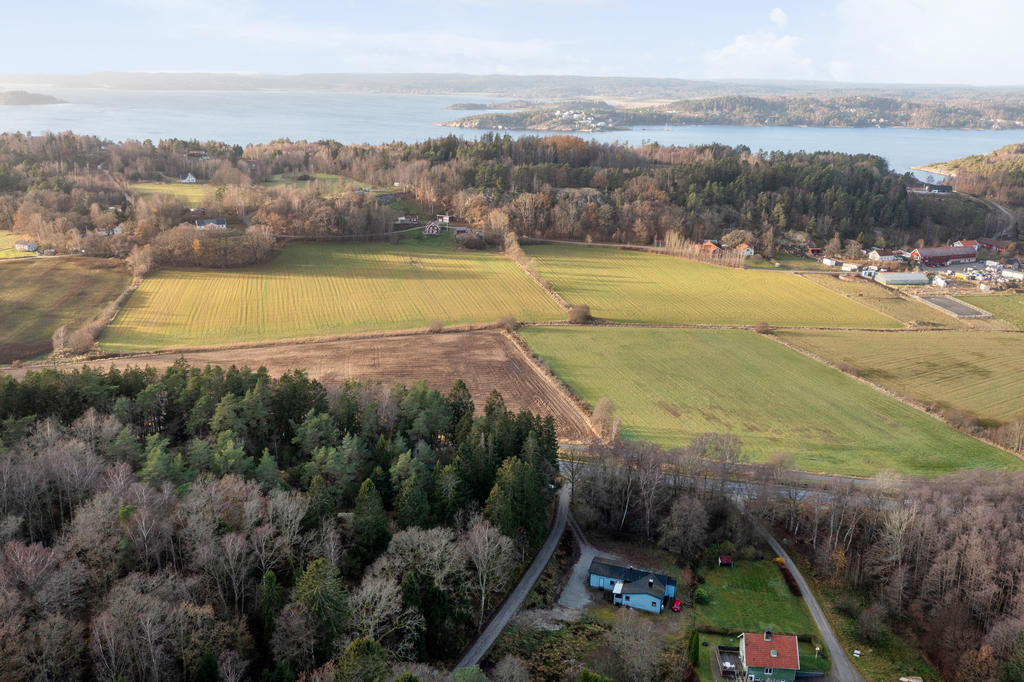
point(262, 116)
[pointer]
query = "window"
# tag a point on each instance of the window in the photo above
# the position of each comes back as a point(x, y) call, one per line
point(654, 603)
point(767, 671)
point(627, 597)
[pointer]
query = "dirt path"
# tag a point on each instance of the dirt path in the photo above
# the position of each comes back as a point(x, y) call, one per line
point(515, 600)
point(843, 669)
point(576, 595)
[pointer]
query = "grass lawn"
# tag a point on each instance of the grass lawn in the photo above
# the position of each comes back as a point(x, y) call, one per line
point(7, 250)
point(190, 194)
point(327, 182)
point(980, 372)
point(885, 301)
point(788, 262)
point(37, 297)
point(668, 385)
point(643, 287)
point(325, 289)
point(751, 597)
point(1009, 307)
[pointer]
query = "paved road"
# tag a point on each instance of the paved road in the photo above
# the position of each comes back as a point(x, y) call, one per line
point(843, 669)
point(515, 600)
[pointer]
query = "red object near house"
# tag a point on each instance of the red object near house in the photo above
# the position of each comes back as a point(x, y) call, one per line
point(944, 255)
point(677, 605)
point(725, 560)
point(432, 229)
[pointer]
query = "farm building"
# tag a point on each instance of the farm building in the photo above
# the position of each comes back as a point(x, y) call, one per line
point(444, 218)
point(26, 245)
point(708, 248)
point(997, 245)
point(967, 242)
point(744, 249)
point(432, 229)
point(765, 656)
point(725, 560)
point(882, 255)
point(894, 278)
point(189, 179)
point(944, 255)
point(637, 588)
point(813, 251)
point(211, 224)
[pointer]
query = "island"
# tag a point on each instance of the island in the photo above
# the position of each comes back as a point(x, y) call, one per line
point(20, 98)
point(853, 111)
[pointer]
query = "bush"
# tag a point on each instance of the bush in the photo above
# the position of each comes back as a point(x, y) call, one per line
point(873, 628)
point(693, 648)
point(763, 328)
point(847, 368)
point(436, 326)
point(848, 605)
point(756, 259)
point(787, 575)
point(701, 596)
point(508, 323)
point(580, 314)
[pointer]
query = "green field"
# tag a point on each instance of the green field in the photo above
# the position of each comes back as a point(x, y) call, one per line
point(980, 372)
point(885, 300)
point(188, 194)
point(671, 384)
point(327, 182)
point(38, 296)
point(633, 286)
point(1009, 307)
point(751, 597)
point(326, 289)
point(788, 262)
point(7, 240)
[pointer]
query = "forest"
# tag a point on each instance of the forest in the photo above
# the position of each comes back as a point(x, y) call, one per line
point(998, 174)
point(71, 192)
point(205, 524)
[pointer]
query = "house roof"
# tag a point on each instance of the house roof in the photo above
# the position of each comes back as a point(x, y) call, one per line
point(203, 222)
point(884, 252)
point(725, 558)
point(781, 651)
point(968, 242)
point(744, 245)
point(649, 584)
point(628, 574)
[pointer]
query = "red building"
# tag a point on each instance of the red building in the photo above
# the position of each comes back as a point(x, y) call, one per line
point(939, 256)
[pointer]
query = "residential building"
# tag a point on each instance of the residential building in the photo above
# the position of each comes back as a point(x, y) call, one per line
point(26, 245)
point(765, 656)
point(967, 242)
point(882, 255)
point(211, 224)
point(189, 179)
point(432, 229)
point(744, 249)
point(637, 588)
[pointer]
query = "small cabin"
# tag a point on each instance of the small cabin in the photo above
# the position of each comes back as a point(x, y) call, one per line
point(432, 229)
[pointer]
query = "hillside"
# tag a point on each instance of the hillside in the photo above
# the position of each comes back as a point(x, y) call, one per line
point(22, 98)
point(998, 174)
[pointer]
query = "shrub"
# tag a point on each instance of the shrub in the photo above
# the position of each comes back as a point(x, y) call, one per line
point(872, 624)
point(693, 648)
point(436, 326)
point(787, 575)
point(756, 259)
point(848, 605)
point(848, 368)
point(508, 323)
point(701, 596)
point(763, 328)
point(580, 314)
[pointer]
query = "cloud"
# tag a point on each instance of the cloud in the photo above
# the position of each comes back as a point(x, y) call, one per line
point(761, 54)
point(779, 18)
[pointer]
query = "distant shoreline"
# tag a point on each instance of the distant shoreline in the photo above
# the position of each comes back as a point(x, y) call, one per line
point(21, 98)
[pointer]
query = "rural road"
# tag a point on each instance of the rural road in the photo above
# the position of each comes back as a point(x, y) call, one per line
point(518, 596)
point(842, 668)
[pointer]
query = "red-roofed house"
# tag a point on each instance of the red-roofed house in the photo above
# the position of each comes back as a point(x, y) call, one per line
point(968, 242)
point(769, 657)
point(744, 249)
point(708, 248)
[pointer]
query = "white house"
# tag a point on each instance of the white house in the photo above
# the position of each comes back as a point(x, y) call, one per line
point(744, 249)
point(882, 255)
point(444, 218)
point(26, 246)
point(189, 179)
point(211, 224)
point(432, 229)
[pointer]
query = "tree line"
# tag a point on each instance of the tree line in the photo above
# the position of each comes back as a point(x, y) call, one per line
point(203, 524)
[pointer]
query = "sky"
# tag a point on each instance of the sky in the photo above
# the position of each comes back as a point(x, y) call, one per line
point(867, 41)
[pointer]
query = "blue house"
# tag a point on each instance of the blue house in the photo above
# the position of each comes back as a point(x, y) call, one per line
point(637, 588)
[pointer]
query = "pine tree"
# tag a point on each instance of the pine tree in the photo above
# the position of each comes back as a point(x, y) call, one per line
point(370, 522)
point(413, 507)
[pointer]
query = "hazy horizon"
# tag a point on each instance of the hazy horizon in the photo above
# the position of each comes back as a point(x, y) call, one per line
point(841, 42)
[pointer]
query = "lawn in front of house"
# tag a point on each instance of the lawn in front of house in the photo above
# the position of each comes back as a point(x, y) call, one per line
point(751, 597)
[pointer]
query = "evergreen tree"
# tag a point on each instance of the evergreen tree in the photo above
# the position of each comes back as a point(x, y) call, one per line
point(413, 507)
point(370, 523)
point(321, 590)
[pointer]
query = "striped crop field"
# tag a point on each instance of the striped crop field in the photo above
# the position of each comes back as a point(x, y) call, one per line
point(40, 295)
point(632, 286)
point(1009, 307)
point(979, 372)
point(669, 385)
point(906, 310)
point(327, 289)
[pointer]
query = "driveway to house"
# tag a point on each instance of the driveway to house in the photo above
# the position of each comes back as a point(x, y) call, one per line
point(843, 669)
point(575, 595)
point(515, 600)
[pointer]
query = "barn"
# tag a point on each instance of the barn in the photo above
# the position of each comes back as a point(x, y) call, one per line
point(940, 256)
point(432, 229)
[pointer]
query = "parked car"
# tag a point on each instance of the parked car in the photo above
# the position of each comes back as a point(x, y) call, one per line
point(677, 605)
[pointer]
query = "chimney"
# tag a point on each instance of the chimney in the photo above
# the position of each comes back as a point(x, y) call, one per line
point(767, 635)
point(650, 582)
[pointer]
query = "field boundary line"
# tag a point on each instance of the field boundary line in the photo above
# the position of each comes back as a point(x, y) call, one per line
point(851, 298)
point(906, 400)
point(562, 303)
point(982, 314)
point(543, 369)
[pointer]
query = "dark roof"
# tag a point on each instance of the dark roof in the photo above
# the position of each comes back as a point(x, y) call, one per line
point(649, 584)
point(943, 251)
point(725, 558)
point(628, 574)
point(758, 652)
